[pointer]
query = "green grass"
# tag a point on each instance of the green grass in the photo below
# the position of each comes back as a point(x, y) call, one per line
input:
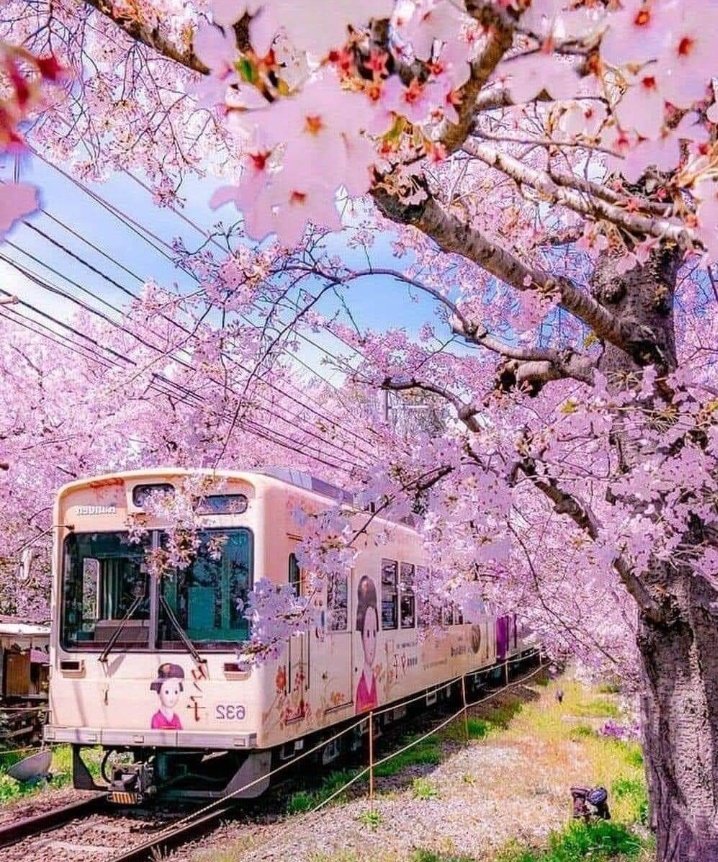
point(424, 753)
point(496, 718)
point(456, 732)
point(604, 841)
point(598, 707)
point(422, 788)
point(632, 792)
point(305, 800)
point(372, 819)
point(60, 769)
point(581, 731)
point(432, 856)
point(502, 715)
point(609, 688)
point(615, 764)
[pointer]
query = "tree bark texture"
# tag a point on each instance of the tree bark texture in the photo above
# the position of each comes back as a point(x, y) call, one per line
point(680, 723)
point(679, 650)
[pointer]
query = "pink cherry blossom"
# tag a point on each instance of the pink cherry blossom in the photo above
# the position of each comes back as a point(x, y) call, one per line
point(663, 153)
point(218, 51)
point(227, 12)
point(688, 60)
point(413, 101)
point(432, 21)
point(641, 108)
point(583, 118)
point(316, 28)
point(17, 200)
point(531, 74)
point(635, 33)
point(593, 242)
point(554, 20)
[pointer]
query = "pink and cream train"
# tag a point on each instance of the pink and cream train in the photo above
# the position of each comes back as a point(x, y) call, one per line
point(149, 668)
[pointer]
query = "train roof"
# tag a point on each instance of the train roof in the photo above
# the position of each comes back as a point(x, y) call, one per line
point(283, 475)
point(286, 475)
point(18, 626)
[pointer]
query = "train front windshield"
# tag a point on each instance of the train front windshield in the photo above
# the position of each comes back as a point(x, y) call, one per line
point(107, 592)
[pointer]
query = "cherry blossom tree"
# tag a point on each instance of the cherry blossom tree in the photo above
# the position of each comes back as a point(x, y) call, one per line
point(152, 395)
point(548, 171)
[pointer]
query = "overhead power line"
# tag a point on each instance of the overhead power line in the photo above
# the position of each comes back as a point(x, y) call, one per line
point(120, 360)
point(334, 421)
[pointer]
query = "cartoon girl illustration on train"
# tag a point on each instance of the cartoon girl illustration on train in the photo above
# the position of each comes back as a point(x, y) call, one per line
point(168, 686)
point(367, 626)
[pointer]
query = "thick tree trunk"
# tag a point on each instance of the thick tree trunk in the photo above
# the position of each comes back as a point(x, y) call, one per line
point(680, 653)
point(680, 722)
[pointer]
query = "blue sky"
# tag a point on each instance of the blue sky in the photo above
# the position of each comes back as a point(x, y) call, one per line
point(377, 303)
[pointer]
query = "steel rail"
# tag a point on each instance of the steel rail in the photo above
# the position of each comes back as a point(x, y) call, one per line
point(155, 848)
point(11, 833)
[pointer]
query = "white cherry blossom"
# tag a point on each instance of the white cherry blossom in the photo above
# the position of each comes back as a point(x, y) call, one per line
point(635, 33)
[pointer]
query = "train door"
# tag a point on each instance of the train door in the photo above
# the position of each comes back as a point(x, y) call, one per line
point(338, 644)
point(502, 636)
point(299, 652)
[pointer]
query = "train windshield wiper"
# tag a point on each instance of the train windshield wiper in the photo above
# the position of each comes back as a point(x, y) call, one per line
point(177, 626)
point(120, 628)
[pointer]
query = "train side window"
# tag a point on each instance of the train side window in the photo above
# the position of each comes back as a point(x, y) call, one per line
point(446, 614)
point(458, 616)
point(389, 594)
point(408, 600)
point(295, 575)
point(424, 610)
point(337, 602)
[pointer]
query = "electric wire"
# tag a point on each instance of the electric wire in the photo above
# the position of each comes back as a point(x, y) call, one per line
point(326, 418)
point(173, 389)
point(137, 228)
point(288, 418)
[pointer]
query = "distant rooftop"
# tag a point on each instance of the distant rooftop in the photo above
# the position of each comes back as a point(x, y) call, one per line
point(17, 626)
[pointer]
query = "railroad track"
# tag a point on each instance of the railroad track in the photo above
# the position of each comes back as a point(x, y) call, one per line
point(156, 846)
point(11, 833)
point(86, 830)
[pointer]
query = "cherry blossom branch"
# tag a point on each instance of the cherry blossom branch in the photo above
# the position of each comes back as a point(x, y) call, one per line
point(590, 206)
point(533, 365)
point(581, 514)
point(535, 373)
point(608, 194)
point(417, 485)
point(453, 235)
point(501, 34)
point(467, 413)
point(530, 365)
point(564, 503)
point(558, 618)
point(533, 141)
point(148, 33)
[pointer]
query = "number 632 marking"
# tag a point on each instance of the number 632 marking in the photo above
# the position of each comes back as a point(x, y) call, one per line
point(229, 712)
